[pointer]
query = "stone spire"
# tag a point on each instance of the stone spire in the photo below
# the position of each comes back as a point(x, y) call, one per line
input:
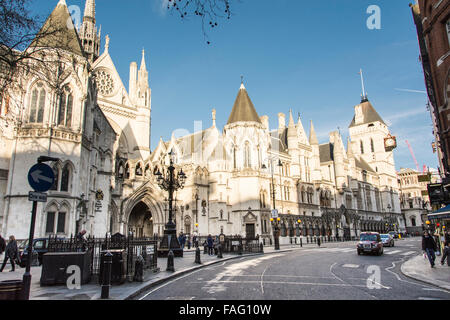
point(291, 126)
point(243, 109)
point(143, 65)
point(312, 135)
point(89, 36)
point(89, 10)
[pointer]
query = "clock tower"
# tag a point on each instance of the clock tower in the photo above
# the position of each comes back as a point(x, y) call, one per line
point(373, 143)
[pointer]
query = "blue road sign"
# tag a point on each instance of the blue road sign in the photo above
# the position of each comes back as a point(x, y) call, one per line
point(41, 177)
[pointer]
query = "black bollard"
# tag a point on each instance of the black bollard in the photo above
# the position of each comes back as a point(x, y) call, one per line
point(197, 256)
point(240, 249)
point(219, 251)
point(307, 240)
point(170, 264)
point(301, 242)
point(205, 249)
point(106, 281)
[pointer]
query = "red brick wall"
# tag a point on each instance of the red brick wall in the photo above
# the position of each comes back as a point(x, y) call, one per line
point(435, 14)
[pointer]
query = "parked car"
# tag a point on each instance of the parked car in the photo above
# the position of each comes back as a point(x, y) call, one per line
point(388, 240)
point(394, 234)
point(40, 247)
point(370, 242)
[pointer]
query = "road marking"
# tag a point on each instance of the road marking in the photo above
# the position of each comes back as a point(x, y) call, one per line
point(354, 266)
point(392, 252)
point(407, 253)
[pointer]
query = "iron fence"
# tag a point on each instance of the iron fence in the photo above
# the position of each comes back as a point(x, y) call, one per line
point(133, 248)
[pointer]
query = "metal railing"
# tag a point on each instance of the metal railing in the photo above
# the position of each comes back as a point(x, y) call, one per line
point(133, 247)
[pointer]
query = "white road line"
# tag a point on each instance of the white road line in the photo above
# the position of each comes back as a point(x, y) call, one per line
point(392, 252)
point(354, 266)
point(407, 253)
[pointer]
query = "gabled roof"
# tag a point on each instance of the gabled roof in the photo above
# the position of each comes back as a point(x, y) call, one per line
point(326, 152)
point(59, 32)
point(369, 114)
point(243, 109)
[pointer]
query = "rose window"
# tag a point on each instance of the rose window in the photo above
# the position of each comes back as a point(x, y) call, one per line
point(105, 83)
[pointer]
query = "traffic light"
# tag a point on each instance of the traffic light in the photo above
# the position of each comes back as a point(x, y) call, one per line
point(436, 193)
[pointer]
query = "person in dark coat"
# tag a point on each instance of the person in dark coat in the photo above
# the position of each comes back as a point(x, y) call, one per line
point(429, 247)
point(2, 245)
point(210, 242)
point(11, 253)
point(446, 254)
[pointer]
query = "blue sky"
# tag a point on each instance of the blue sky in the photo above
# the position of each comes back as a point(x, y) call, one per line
point(303, 55)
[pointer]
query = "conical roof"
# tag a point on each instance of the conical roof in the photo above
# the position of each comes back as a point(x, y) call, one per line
point(312, 135)
point(369, 114)
point(243, 109)
point(59, 31)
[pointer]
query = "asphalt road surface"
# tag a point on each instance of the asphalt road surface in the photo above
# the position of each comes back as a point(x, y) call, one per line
point(332, 272)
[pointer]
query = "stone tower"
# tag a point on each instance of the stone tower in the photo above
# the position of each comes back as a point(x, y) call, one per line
point(89, 36)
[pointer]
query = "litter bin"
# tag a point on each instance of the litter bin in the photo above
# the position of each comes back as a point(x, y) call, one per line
point(11, 289)
point(118, 268)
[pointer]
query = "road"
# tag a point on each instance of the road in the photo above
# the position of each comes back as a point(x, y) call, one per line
point(332, 272)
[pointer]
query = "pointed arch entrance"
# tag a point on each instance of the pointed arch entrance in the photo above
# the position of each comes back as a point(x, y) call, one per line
point(140, 221)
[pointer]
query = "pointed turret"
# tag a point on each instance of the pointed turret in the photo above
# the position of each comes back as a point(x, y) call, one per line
point(291, 126)
point(59, 32)
point(90, 38)
point(312, 135)
point(143, 64)
point(301, 131)
point(89, 10)
point(243, 109)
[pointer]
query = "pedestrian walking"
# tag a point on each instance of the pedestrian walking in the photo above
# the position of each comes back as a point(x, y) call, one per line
point(318, 241)
point(11, 254)
point(210, 242)
point(2, 245)
point(447, 236)
point(446, 254)
point(429, 247)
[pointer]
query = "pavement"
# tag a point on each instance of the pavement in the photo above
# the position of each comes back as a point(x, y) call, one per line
point(416, 268)
point(419, 268)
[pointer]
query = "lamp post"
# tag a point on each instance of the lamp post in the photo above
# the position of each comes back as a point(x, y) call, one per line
point(390, 215)
point(274, 221)
point(168, 181)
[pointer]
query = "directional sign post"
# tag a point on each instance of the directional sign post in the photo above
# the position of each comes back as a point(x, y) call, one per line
point(41, 179)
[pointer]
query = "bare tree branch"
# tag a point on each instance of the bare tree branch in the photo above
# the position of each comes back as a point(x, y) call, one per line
point(209, 11)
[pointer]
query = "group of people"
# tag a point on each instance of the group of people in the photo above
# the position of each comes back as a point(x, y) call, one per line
point(11, 252)
point(430, 247)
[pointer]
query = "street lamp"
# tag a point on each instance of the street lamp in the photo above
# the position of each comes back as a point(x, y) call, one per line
point(275, 222)
point(390, 214)
point(171, 182)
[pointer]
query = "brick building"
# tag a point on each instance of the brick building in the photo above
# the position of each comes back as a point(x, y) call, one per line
point(432, 19)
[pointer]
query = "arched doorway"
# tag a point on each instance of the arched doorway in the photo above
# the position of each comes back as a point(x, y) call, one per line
point(140, 222)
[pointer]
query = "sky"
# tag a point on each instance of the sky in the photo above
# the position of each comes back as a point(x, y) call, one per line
point(299, 55)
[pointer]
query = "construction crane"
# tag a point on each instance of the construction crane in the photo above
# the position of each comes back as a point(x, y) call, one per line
point(413, 156)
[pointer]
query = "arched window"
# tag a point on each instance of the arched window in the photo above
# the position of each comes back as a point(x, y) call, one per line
point(65, 108)
point(247, 160)
point(372, 146)
point(65, 178)
point(37, 104)
point(138, 171)
point(234, 158)
point(56, 173)
point(361, 146)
